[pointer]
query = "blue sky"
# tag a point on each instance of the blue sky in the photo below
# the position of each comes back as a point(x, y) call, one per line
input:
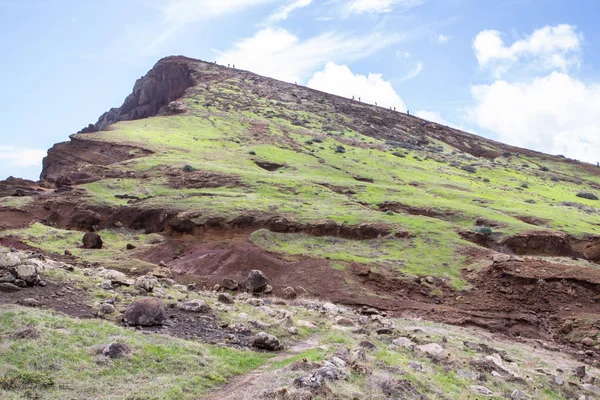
point(519, 71)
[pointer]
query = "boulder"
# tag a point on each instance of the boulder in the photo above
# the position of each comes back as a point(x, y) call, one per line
point(9, 260)
point(256, 281)
point(147, 311)
point(518, 395)
point(229, 284)
point(432, 349)
point(263, 340)
point(161, 272)
point(7, 277)
point(106, 308)
point(91, 240)
point(27, 273)
point(195, 305)
point(116, 350)
point(289, 293)
point(8, 287)
point(404, 342)
point(146, 282)
point(225, 298)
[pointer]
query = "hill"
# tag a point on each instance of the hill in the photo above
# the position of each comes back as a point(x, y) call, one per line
point(212, 172)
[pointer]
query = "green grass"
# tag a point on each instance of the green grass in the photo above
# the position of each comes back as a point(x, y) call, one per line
point(60, 363)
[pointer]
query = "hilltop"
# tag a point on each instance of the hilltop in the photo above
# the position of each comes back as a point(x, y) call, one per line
point(207, 172)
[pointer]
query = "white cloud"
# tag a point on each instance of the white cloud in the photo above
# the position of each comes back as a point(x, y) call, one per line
point(402, 54)
point(548, 48)
point(557, 114)
point(340, 80)
point(442, 39)
point(413, 72)
point(379, 6)
point(21, 157)
point(176, 14)
point(284, 12)
point(277, 53)
point(432, 116)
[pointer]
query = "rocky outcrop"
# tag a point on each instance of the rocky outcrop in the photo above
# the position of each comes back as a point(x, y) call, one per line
point(167, 81)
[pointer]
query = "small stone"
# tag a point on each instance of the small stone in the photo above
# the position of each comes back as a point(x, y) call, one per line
point(225, 298)
point(195, 305)
point(229, 284)
point(20, 283)
point(293, 330)
point(68, 253)
point(579, 371)
point(367, 345)
point(27, 273)
point(289, 293)
point(180, 288)
point(567, 327)
point(216, 288)
point(369, 311)
point(42, 283)
point(404, 342)
point(338, 362)
point(430, 280)
point(130, 246)
point(106, 285)
point(161, 272)
point(263, 340)
point(343, 321)
point(7, 277)
point(268, 289)
point(30, 302)
point(587, 341)
point(481, 390)
point(559, 380)
point(116, 350)
point(384, 331)
point(106, 308)
point(146, 283)
point(301, 291)
point(518, 395)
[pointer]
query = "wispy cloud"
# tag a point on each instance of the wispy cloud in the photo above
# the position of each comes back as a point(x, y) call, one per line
point(284, 12)
point(442, 39)
point(277, 53)
point(21, 157)
point(379, 6)
point(413, 72)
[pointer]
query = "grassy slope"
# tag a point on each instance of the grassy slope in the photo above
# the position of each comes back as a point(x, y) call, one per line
point(219, 136)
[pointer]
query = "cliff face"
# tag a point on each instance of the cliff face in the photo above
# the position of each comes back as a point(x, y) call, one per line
point(165, 82)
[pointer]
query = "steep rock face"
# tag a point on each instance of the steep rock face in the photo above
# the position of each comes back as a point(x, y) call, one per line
point(165, 82)
point(81, 161)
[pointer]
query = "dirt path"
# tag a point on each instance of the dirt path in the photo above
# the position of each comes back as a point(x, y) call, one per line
point(241, 387)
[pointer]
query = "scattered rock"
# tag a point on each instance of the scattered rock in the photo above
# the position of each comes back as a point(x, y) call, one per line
point(8, 287)
point(319, 377)
point(579, 371)
point(146, 282)
point(263, 340)
point(229, 284)
point(20, 283)
point(147, 311)
point(367, 345)
point(481, 390)
point(559, 380)
point(180, 288)
point(256, 281)
point(195, 305)
point(91, 240)
point(289, 293)
point(293, 330)
point(404, 342)
point(268, 289)
point(432, 349)
point(106, 308)
point(116, 350)
point(343, 321)
point(518, 395)
point(384, 331)
point(130, 246)
point(161, 272)
point(225, 298)
point(368, 311)
point(30, 302)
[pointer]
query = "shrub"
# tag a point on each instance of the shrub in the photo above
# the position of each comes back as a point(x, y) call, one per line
point(252, 152)
point(486, 230)
point(469, 168)
point(486, 180)
point(340, 149)
point(309, 142)
point(389, 212)
point(524, 185)
point(188, 168)
point(398, 154)
point(587, 195)
point(545, 169)
point(530, 201)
